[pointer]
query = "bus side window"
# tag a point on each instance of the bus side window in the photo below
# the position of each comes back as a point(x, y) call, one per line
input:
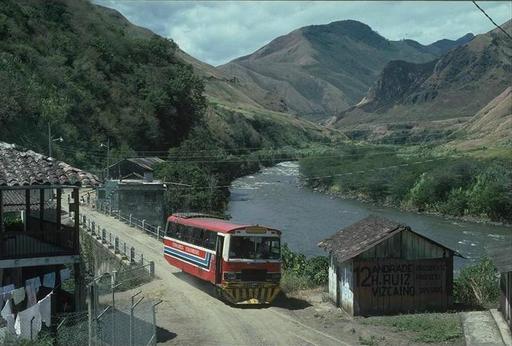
point(171, 229)
point(179, 232)
point(210, 238)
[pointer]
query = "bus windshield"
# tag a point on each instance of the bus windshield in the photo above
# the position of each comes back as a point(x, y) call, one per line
point(244, 247)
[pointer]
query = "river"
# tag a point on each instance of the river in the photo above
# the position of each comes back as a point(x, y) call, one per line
point(273, 197)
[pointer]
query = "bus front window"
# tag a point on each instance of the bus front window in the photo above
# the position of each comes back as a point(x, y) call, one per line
point(243, 247)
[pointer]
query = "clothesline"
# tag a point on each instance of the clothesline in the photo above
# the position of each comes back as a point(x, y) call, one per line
point(28, 322)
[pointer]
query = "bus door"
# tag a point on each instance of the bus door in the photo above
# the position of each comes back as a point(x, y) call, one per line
point(218, 259)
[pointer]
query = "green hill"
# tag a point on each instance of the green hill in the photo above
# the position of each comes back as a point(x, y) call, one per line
point(92, 75)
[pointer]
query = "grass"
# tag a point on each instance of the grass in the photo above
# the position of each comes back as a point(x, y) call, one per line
point(427, 328)
point(291, 282)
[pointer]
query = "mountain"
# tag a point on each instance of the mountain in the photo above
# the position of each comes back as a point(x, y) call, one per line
point(92, 76)
point(319, 70)
point(491, 126)
point(442, 46)
point(458, 84)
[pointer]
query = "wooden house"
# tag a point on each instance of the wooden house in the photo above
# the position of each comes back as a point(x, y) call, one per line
point(378, 266)
point(36, 236)
point(501, 255)
point(134, 168)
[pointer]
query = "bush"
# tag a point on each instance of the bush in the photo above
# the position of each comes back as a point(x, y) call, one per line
point(477, 285)
point(300, 272)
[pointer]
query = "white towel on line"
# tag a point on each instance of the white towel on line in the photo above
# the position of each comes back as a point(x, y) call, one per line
point(18, 295)
point(64, 274)
point(28, 323)
point(8, 316)
point(35, 282)
point(31, 296)
point(49, 280)
point(45, 308)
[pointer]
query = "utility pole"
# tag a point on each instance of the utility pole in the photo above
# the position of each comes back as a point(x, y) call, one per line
point(108, 157)
point(50, 139)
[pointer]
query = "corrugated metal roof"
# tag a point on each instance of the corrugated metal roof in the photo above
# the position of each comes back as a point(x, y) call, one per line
point(146, 162)
point(21, 167)
point(501, 255)
point(363, 235)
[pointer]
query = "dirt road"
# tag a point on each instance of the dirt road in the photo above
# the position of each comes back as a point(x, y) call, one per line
point(196, 317)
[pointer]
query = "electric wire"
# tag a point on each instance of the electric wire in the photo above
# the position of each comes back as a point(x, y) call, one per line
point(492, 21)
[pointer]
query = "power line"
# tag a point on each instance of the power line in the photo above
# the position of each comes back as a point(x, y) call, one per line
point(356, 172)
point(492, 21)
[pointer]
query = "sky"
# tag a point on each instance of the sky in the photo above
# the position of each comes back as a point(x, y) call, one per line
point(218, 31)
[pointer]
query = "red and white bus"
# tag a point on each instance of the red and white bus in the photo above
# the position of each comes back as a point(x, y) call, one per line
point(242, 261)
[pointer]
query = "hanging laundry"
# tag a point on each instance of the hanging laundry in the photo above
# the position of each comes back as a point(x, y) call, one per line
point(31, 295)
point(8, 316)
point(35, 282)
point(49, 280)
point(64, 274)
point(18, 295)
point(5, 294)
point(45, 308)
point(28, 323)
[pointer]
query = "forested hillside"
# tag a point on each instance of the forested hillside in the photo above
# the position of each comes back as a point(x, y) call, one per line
point(90, 74)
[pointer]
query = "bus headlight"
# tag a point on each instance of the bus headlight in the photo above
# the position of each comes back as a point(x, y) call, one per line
point(229, 276)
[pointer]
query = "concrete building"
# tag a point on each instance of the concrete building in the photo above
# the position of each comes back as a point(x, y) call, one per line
point(143, 200)
point(36, 236)
point(501, 255)
point(378, 266)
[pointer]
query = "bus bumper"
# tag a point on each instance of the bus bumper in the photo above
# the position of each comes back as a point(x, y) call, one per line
point(250, 293)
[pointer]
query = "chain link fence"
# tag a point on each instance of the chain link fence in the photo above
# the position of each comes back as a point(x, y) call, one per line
point(114, 316)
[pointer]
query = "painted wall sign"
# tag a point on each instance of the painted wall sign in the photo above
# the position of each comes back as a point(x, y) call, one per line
point(393, 285)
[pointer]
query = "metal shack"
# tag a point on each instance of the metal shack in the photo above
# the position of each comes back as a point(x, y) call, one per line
point(378, 266)
point(501, 255)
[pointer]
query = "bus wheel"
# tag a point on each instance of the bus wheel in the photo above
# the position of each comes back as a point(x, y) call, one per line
point(218, 293)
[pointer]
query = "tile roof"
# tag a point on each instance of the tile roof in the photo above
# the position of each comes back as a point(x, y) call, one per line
point(363, 235)
point(21, 167)
point(146, 162)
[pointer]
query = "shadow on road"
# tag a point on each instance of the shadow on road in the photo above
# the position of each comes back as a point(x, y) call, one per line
point(114, 328)
point(281, 301)
point(290, 303)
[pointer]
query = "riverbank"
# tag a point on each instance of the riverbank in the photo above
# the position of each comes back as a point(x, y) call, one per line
point(417, 179)
point(367, 200)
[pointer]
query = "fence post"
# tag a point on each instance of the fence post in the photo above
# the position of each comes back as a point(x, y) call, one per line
point(154, 322)
point(113, 279)
point(90, 311)
point(116, 245)
point(132, 307)
point(152, 269)
point(130, 220)
point(124, 247)
point(142, 258)
point(143, 226)
point(103, 235)
point(158, 232)
point(110, 210)
point(132, 255)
